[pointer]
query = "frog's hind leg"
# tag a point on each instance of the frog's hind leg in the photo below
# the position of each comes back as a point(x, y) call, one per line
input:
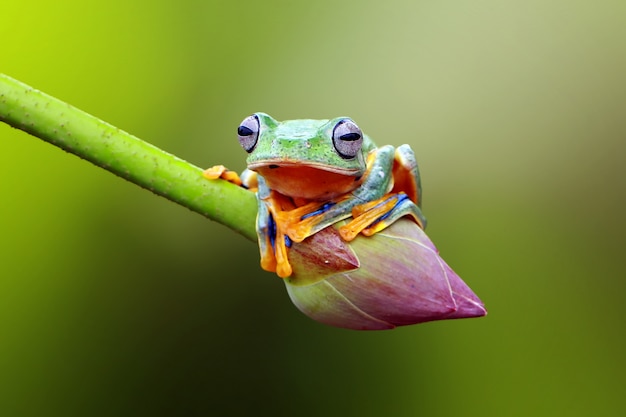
point(273, 242)
point(406, 177)
point(266, 233)
point(273, 246)
point(372, 217)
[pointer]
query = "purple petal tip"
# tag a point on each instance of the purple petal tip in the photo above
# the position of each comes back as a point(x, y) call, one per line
point(467, 303)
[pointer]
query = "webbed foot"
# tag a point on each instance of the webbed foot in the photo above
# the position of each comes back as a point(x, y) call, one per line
point(374, 216)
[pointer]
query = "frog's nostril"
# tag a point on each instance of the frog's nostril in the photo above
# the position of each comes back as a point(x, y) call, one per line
point(273, 166)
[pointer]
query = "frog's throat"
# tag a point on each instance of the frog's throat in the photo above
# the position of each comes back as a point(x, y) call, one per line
point(308, 182)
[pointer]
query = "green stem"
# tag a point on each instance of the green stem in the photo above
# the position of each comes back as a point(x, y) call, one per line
point(125, 155)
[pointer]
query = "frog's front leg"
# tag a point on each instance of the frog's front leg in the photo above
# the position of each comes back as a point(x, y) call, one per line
point(405, 199)
point(390, 190)
point(315, 216)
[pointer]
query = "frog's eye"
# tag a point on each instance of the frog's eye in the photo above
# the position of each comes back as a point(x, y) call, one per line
point(347, 139)
point(248, 132)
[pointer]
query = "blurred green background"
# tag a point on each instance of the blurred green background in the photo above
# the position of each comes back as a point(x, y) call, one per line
point(114, 301)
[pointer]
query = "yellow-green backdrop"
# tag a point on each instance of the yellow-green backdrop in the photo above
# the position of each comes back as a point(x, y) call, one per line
point(116, 302)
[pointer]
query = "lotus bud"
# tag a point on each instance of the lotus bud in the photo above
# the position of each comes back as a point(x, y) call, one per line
point(394, 278)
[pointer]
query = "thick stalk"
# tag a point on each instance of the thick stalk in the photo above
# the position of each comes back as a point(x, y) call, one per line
point(125, 155)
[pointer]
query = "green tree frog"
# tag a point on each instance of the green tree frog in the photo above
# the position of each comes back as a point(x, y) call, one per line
point(310, 174)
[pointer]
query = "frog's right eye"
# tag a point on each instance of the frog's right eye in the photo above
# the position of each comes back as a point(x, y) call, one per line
point(248, 132)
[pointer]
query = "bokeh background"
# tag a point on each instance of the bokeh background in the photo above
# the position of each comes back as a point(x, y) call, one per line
point(114, 301)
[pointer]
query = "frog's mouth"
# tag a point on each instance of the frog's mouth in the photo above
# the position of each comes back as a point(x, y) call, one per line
point(312, 182)
point(277, 164)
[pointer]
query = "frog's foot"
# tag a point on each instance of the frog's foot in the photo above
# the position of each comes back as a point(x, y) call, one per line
point(273, 247)
point(283, 267)
point(248, 179)
point(220, 171)
point(374, 216)
point(304, 221)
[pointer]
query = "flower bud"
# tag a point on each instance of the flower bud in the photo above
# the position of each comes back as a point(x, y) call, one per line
point(394, 278)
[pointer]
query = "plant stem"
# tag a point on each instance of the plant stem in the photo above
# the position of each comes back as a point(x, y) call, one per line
point(125, 155)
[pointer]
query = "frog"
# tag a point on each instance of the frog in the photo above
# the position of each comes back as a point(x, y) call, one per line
point(310, 174)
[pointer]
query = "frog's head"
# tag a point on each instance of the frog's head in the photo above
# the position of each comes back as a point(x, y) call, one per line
point(312, 159)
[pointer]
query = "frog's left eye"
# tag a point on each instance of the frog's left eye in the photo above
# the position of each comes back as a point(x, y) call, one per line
point(347, 139)
point(248, 132)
